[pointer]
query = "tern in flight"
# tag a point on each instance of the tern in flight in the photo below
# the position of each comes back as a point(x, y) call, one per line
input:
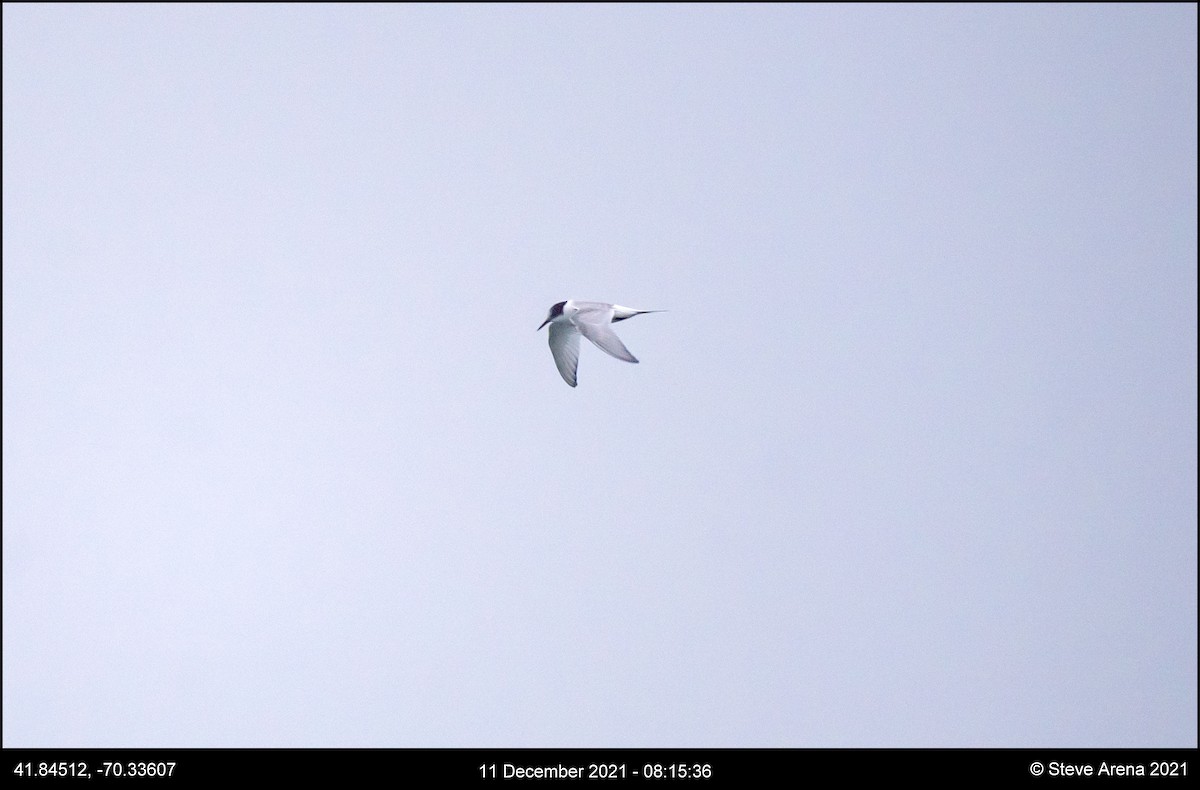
point(570, 319)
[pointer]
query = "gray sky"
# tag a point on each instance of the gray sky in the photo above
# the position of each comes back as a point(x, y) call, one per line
point(910, 461)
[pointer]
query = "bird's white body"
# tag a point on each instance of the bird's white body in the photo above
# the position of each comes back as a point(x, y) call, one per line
point(570, 319)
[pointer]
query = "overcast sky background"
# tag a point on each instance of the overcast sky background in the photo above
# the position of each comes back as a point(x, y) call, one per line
point(910, 461)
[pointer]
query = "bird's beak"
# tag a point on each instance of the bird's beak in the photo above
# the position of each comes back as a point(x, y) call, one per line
point(543, 324)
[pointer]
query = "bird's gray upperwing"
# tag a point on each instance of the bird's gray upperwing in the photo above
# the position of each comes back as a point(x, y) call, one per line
point(596, 325)
point(564, 344)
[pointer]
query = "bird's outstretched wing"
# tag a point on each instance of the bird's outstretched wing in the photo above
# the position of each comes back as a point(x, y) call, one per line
point(564, 344)
point(596, 325)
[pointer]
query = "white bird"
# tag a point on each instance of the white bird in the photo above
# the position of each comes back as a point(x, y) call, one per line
point(570, 319)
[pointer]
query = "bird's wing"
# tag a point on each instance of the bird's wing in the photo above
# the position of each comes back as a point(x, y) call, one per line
point(564, 344)
point(596, 326)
